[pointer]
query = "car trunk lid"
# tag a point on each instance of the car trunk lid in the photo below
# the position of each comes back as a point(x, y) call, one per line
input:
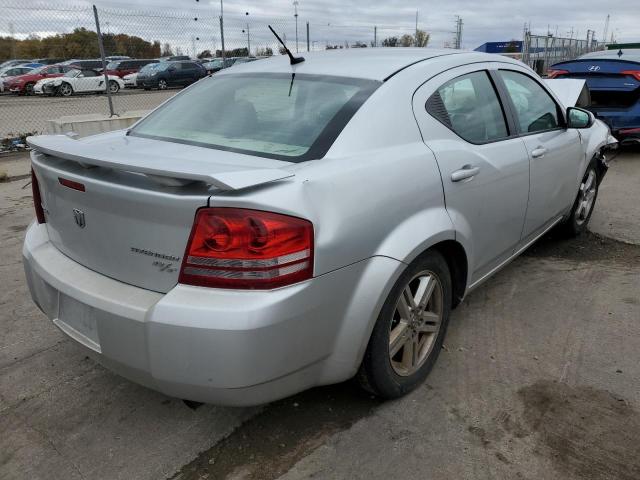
point(124, 206)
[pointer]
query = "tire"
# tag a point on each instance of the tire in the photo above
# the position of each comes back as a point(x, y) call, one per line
point(162, 84)
point(584, 203)
point(114, 87)
point(28, 88)
point(391, 369)
point(65, 89)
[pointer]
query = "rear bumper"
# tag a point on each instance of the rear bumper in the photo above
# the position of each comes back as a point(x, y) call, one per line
point(210, 345)
point(624, 124)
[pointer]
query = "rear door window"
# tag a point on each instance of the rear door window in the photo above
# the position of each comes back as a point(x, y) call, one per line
point(469, 106)
point(535, 109)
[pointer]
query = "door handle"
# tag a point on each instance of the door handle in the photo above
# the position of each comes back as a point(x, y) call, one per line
point(539, 152)
point(466, 172)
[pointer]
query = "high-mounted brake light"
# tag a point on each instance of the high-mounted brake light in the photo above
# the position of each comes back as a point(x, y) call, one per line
point(37, 200)
point(247, 249)
point(633, 73)
point(556, 73)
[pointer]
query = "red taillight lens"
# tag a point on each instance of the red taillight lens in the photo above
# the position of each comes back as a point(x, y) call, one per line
point(37, 200)
point(247, 249)
point(633, 73)
point(556, 73)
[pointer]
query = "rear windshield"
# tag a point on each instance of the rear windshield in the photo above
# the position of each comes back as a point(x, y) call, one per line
point(281, 116)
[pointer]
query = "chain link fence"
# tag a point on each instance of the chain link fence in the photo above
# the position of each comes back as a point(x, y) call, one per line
point(542, 51)
point(55, 34)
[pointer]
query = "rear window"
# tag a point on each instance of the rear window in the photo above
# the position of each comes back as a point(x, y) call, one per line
point(281, 116)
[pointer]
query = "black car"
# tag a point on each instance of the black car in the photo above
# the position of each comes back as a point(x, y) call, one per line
point(93, 64)
point(48, 61)
point(170, 74)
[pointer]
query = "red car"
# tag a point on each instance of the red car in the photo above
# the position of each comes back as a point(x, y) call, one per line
point(23, 84)
point(121, 68)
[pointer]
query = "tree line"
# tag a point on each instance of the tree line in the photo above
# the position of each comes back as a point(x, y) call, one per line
point(81, 43)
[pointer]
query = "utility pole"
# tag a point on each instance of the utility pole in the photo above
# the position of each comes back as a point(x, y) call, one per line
point(606, 29)
point(415, 39)
point(375, 36)
point(222, 32)
point(248, 36)
point(458, 39)
point(13, 42)
point(308, 44)
point(104, 62)
point(295, 9)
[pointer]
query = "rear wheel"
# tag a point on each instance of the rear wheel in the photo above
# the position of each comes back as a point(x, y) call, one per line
point(114, 87)
point(584, 203)
point(162, 84)
point(28, 88)
point(410, 329)
point(65, 90)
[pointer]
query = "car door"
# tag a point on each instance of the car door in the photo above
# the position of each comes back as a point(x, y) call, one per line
point(555, 152)
point(483, 165)
point(88, 81)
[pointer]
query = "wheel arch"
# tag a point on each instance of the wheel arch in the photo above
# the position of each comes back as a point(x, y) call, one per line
point(456, 258)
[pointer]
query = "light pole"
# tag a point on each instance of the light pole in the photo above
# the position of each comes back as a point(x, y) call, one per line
point(222, 32)
point(295, 9)
point(248, 37)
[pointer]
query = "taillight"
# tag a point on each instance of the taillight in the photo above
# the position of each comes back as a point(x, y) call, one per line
point(37, 200)
point(556, 73)
point(247, 249)
point(633, 73)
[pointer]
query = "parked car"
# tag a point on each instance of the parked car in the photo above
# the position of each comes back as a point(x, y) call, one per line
point(173, 58)
point(130, 80)
point(12, 63)
point(125, 67)
point(613, 79)
point(31, 65)
point(23, 84)
point(270, 229)
point(48, 61)
point(9, 72)
point(94, 64)
point(216, 64)
point(78, 81)
point(170, 74)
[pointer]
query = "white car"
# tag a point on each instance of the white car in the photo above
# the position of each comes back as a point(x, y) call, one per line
point(77, 81)
point(130, 81)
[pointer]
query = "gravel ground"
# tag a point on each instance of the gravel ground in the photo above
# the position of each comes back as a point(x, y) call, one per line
point(539, 379)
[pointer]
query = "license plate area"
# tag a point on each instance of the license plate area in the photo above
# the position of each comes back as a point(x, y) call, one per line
point(79, 321)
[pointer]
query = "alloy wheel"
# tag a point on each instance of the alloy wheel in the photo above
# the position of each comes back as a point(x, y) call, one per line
point(162, 84)
point(114, 87)
point(66, 90)
point(415, 324)
point(586, 197)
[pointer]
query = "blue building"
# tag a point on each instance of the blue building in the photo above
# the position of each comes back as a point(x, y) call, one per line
point(510, 47)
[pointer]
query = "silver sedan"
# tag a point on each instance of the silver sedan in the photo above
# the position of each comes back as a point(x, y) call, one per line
point(277, 227)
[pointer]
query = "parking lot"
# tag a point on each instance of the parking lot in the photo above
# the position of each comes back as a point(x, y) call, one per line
point(538, 379)
point(26, 114)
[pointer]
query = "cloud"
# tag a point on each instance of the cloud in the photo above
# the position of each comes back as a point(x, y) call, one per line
point(330, 21)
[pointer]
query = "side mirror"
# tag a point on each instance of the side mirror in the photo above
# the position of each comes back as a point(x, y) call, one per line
point(579, 118)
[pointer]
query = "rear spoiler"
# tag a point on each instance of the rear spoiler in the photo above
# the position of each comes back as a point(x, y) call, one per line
point(161, 169)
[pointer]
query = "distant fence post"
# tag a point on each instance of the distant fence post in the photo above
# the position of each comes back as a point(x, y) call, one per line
point(308, 44)
point(104, 62)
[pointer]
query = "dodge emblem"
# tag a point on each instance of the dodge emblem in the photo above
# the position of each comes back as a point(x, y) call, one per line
point(78, 216)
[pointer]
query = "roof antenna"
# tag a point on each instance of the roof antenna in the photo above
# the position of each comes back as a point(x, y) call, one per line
point(293, 60)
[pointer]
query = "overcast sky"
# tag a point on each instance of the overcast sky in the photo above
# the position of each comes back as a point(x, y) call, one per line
point(334, 21)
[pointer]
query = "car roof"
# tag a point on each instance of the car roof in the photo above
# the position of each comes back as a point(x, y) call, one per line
point(369, 63)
